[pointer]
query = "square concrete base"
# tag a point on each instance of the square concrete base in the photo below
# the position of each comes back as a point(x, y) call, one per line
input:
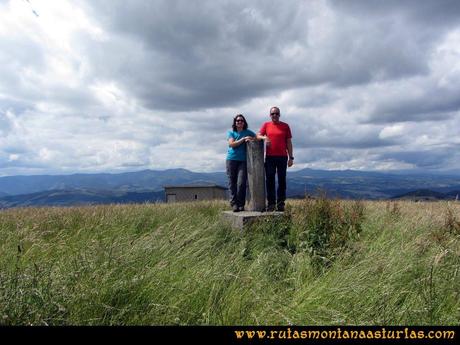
point(240, 220)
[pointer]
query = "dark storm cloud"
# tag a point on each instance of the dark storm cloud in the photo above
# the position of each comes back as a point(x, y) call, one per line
point(201, 54)
point(433, 104)
point(414, 29)
point(427, 13)
point(339, 137)
point(433, 158)
point(195, 55)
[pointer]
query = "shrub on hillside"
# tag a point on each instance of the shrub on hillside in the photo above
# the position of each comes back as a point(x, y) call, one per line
point(451, 224)
point(323, 227)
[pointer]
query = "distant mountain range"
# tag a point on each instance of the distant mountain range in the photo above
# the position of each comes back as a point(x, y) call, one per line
point(79, 197)
point(147, 186)
point(132, 181)
point(427, 195)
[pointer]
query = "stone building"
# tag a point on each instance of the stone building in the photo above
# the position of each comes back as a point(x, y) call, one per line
point(194, 193)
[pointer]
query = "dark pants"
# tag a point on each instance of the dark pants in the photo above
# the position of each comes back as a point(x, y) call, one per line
point(237, 177)
point(276, 165)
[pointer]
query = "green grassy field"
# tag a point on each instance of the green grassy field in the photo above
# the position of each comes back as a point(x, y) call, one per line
point(325, 263)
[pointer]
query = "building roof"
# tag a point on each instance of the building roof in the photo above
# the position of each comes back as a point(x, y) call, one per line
point(193, 185)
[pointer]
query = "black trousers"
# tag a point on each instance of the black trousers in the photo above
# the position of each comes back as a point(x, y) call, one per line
point(237, 177)
point(276, 165)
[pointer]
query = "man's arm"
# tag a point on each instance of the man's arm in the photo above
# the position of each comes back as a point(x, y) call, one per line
point(290, 152)
point(263, 137)
point(260, 136)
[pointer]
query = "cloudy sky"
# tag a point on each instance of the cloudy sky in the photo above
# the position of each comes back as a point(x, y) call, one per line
point(114, 86)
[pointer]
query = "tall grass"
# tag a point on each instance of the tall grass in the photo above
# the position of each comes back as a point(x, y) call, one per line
point(325, 262)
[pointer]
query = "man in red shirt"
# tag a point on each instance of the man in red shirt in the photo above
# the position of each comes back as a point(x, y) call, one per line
point(278, 157)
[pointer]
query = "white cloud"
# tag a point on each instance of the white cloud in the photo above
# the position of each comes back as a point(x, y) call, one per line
point(392, 131)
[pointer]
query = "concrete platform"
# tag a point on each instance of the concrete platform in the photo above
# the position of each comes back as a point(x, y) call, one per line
point(240, 220)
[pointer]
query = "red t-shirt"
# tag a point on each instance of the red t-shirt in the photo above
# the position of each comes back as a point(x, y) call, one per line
point(278, 133)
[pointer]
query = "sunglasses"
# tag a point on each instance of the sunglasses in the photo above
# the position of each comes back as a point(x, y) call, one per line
point(274, 114)
point(239, 121)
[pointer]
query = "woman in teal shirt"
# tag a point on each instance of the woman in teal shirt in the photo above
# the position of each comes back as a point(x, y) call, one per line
point(236, 161)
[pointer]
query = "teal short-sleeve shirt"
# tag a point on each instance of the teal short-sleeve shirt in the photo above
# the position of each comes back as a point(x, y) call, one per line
point(238, 153)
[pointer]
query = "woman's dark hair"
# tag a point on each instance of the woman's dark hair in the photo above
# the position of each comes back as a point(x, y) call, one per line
point(234, 122)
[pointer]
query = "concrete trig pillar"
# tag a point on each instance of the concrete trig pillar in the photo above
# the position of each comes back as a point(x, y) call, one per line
point(256, 175)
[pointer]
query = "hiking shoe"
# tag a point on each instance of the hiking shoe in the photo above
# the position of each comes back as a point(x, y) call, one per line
point(241, 208)
point(280, 208)
point(270, 208)
point(235, 208)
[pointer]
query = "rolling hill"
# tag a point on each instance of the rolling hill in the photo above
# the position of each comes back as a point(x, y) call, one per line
point(427, 195)
point(66, 197)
